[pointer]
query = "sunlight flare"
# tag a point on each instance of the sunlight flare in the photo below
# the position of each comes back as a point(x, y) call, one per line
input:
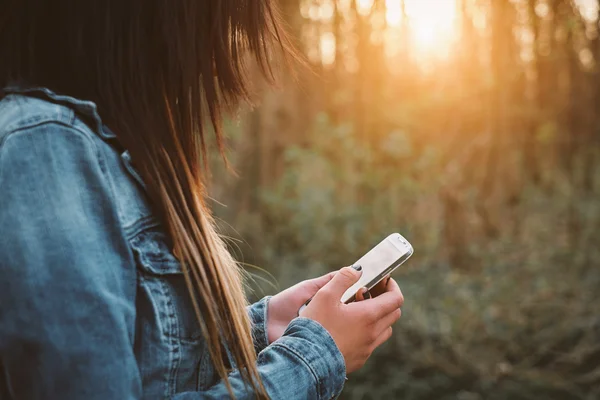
point(432, 23)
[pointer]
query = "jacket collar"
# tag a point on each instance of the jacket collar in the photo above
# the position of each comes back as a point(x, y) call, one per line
point(82, 107)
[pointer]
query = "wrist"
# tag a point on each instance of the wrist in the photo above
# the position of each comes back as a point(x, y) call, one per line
point(273, 319)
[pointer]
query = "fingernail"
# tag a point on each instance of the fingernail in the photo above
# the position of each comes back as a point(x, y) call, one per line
point(366, 293)
point(357, 267)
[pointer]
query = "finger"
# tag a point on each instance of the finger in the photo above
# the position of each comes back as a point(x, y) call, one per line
point(342, 281)
point(363, 294)
point(388, 320)
point(380, 287)
point(386, 302)
point(383, 337)
point(314, 285)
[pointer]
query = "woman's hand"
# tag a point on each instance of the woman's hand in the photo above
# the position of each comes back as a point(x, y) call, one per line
point(357, 328)
point(284, 306)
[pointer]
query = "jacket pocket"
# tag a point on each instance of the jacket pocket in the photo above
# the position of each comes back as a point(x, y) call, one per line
point(163, 283)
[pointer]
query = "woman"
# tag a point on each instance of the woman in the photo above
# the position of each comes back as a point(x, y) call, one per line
point(114, 283)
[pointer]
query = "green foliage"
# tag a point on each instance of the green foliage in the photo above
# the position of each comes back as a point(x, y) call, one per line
point(336, 198)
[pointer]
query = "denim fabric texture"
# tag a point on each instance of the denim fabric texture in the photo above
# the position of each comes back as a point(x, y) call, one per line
point(93, 303)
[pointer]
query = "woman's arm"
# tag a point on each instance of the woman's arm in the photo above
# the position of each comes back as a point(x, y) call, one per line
point(66, 314)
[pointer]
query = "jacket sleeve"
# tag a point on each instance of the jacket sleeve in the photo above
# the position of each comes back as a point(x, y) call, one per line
point(67, 309)
point(304, 363)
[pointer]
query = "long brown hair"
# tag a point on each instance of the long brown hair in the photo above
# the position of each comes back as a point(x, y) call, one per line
point(161, 72)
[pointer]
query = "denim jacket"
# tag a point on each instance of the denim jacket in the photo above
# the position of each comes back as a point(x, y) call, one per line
point(93, 304)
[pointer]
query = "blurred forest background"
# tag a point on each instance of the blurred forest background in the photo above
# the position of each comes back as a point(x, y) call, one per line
point(472, 127)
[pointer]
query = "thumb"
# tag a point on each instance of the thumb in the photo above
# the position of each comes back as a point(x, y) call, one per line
point(342, 281)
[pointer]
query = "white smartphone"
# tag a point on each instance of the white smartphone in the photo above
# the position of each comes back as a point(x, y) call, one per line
point(379, 262)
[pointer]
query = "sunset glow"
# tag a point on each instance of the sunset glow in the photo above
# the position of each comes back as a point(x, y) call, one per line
point(429, 27)
point(432, 23)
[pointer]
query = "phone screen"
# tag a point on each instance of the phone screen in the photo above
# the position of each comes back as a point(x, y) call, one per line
point(384, 255)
